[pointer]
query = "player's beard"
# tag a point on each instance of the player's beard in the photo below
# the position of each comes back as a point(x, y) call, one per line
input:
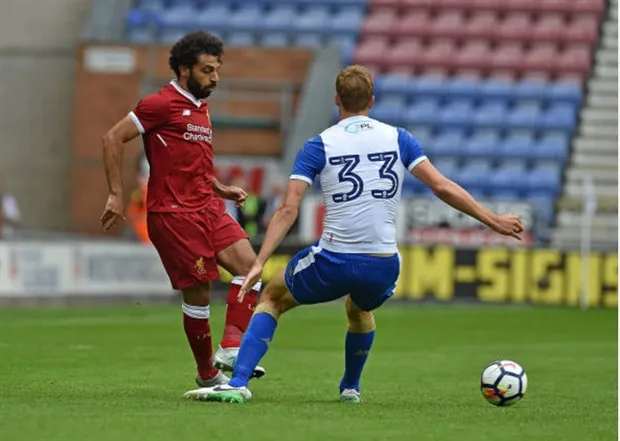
point(195, 89)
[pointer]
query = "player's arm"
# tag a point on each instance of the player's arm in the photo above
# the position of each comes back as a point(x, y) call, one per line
point(113, 146)
point(283, 219)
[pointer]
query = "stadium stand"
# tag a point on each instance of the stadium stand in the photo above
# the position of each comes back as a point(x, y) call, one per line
point(492, 88)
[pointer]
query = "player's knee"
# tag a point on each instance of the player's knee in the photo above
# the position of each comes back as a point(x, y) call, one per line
point(199, 295)
point(276, 301)
point(358, 321)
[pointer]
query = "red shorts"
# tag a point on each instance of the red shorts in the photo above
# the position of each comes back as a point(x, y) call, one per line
point(188, 243)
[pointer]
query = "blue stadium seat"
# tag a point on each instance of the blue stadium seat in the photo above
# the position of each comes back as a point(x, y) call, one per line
point(456, 114)
point(346, 21)
point(483, 144)
point(140, 35)
point(314, 20)
point(474, 176)
point(464, 88)
point(447, 145)
point(429, 87)
point(543, 207)
point(560, 117)
point(531, 90)
point(518, 146)
point(390, 111)
point(347, 45)
point(553, 146)
point(278, 19)
point(412, 186)
point(150, 5)
point(570, 93)
point(240, 39)
point(308, 40)
point(505, 195)
point(274, 40)
point(490, 115)
point(508, 178)
point(422, 112)
point(171, 36)
point(138, 18)
point(423, 135)
point(544, 181)
point(497, 89)
point(245, 18)
point(393, 84)
point(525, 117)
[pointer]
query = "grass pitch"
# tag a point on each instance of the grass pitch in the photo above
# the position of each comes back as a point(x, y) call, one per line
point(119, 374)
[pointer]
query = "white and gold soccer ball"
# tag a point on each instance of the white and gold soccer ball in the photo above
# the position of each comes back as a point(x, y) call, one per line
point(503, 383)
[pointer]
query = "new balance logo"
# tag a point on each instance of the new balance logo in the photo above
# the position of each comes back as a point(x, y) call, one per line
point(187, 112)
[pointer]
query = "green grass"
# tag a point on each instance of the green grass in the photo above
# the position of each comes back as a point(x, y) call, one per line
point(119, 374)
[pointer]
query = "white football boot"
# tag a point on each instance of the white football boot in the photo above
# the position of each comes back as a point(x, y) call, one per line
point(225, 360)
point(350, 396)
point(222, 393)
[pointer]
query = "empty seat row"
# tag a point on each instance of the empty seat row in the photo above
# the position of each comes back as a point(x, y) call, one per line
point(202, 4)
point(480, 56)
point(573, 7)
point(515, 27)
point(467, 88)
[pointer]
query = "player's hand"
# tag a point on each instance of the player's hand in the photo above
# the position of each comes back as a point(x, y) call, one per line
point(251, 279)
point(113, 212)
point(232, 193)
point(509, 225)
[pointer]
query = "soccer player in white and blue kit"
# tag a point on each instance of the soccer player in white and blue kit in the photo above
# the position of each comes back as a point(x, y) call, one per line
point(361, 164)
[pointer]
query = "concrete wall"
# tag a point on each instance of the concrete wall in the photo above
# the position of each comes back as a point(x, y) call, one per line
point(37, 38)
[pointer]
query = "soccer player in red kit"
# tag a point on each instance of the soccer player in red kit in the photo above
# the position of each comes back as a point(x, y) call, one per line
point(186, 220)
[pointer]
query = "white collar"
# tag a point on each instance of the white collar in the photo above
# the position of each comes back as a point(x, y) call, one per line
point(186, 94)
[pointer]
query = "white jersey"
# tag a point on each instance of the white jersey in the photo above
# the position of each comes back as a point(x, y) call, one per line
point(361, 164)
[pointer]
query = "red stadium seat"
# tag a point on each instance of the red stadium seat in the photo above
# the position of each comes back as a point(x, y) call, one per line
point(582, 30)
point(448, 24)
point(481, 25)
point(379, 3)
point(516, 27)
point(380, 22)
point(406, 53)
point(528, 6)
point(575, 61)
point(455, 5)
point(549, 28)
point(554, 6)
point(581, 7)
point(474, 55)
point(488, 5)
point(416, 5)
point(414, 24)
point(372, 51)
point(439, 55)
point(508, 56)
point(540, 58)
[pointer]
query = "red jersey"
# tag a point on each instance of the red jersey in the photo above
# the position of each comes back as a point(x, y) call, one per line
point(177, 134)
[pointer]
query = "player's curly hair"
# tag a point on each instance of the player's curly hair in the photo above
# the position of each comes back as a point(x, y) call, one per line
point(186, 51)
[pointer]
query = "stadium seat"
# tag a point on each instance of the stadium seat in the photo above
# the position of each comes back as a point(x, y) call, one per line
point(448, 144)
point(490, 116)
point(391, 111)
point(554, 6)
point(525, 117)
point(575, 60)
point(380, 23)
point(215, 18)
point(540, 58)
point(457, 114)
point(314, 20)
point(566, 93)
point(406, 53)
point(140, 35)
point(549, 28)
point(483, 144)
point(448, 24)
point(553, 147)
point(508, 56)
point(473, 176)
point(240, 39)
point(481, 26)
point(509, 178)
point(150, 5)
point(274, 40)
point(474, 55)
point(543, 181)
point(581, 30)
point(308, 40)
point(346, 21)
point(278, 19)
point(372, 52)
point(440, 54)
point(560, 117)
point(245, 18)
point(393, 84)
point(516, 27)
point(531, 90)
point(422, 112)
point(463, 88)
point(520, 6)
point(497, 90)
point(425, 87)
point(582, 7)
point(415, 24)
point(520, 145)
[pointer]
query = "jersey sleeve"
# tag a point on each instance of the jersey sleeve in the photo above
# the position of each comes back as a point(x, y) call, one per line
point(411, 153)
point(150, 113)
point(310, 161)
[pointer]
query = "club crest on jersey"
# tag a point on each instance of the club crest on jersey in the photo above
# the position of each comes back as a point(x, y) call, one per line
point(200, 266)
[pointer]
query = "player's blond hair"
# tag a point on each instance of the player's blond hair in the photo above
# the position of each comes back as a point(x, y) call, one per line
point(355, 86)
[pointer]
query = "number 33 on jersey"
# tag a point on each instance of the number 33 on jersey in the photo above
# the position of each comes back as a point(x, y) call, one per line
point(361, 164)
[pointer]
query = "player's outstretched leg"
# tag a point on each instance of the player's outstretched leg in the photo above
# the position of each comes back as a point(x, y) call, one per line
point(276, 300)
point(196, 313)
point(358, 341)
point(236, 259)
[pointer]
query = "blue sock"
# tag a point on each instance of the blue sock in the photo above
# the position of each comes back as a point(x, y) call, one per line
point(254, 346)
point(357, 347)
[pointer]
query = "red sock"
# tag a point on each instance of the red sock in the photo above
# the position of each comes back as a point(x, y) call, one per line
point(198, 332)
point(238, 315)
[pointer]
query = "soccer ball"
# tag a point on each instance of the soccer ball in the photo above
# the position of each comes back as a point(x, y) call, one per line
point(503, 383)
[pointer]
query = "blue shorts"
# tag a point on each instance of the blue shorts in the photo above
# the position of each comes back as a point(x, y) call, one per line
point(315, 275)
